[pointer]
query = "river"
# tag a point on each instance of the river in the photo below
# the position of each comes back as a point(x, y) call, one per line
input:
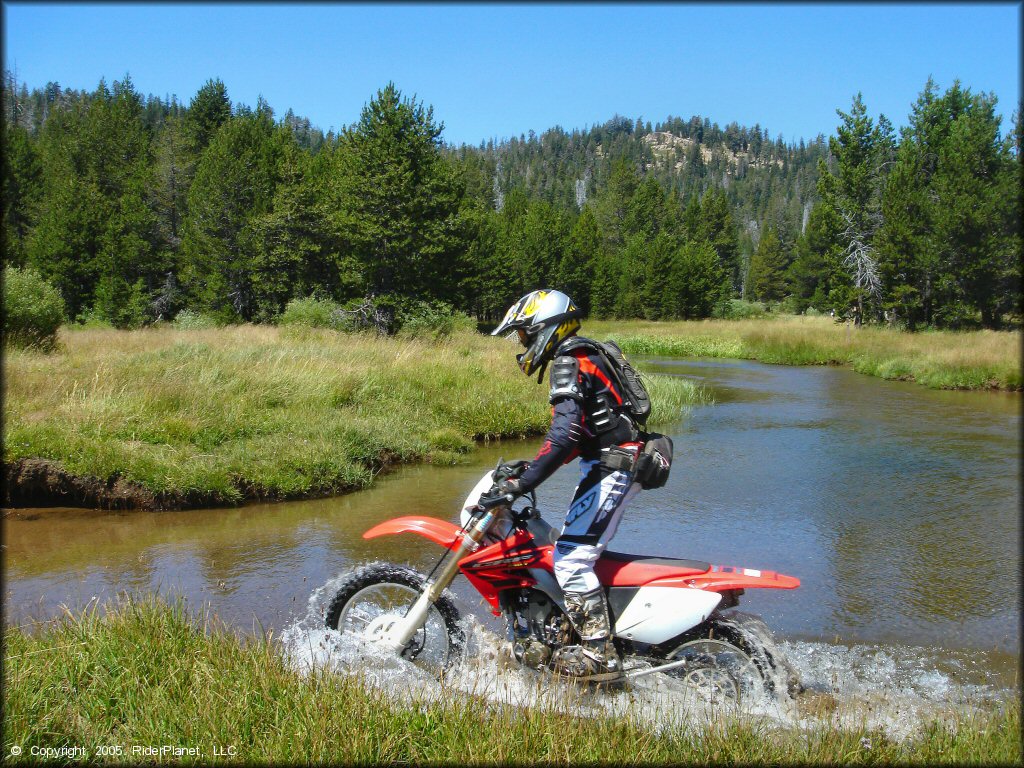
point(896, 506)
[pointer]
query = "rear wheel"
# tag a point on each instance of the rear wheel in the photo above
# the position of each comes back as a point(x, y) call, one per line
point(718, 669)
point(373, 594)
point(727, 659)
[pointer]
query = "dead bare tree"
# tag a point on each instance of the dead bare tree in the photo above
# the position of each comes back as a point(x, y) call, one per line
point(859, 257)
point(367, 315)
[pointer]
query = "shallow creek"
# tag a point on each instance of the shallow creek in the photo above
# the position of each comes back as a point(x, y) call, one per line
point(896, 506)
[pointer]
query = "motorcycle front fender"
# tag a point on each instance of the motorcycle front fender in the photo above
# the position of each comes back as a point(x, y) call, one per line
point(438, 531)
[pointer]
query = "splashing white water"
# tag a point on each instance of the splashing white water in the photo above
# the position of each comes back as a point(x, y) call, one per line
point(897, 690)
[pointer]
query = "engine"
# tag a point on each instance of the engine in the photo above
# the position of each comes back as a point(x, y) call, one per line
point(536, 627)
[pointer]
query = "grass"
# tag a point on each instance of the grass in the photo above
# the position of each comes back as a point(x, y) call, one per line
point(144, 672)
point(218, 415)
point(936, 359)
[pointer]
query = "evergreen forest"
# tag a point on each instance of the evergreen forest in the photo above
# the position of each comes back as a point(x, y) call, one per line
point(136, 208)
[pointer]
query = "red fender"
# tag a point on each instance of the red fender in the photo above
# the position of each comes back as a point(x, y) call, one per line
point(723, 577)
point(438, 531)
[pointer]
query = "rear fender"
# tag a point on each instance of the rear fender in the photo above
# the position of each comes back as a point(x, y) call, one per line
point(438, 531)
point(722, 578)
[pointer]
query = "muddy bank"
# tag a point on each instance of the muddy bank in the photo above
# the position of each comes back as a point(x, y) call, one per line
point(44, 483)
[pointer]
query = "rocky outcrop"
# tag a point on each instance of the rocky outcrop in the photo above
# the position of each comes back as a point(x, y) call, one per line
point(668, 148)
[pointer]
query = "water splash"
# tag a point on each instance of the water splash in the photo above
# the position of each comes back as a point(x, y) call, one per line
point(897, 690)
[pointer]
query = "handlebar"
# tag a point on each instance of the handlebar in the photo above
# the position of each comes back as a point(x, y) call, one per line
point(490, 502)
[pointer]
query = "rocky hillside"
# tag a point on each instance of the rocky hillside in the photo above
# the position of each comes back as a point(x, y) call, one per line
point(677, 151)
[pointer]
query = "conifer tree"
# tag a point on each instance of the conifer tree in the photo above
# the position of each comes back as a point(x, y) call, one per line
point(22, 187)
point(293, 256)
point(715, 224)
point(209, 109)
point(861, 151)
point(696, 281)
point(613, 207)
point(817, 268)
point(948, 249)
point(398, 201)
point(766, 279)
point(233, 187)
point(576, 271)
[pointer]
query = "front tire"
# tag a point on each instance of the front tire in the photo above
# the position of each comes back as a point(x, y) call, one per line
point(372, 591)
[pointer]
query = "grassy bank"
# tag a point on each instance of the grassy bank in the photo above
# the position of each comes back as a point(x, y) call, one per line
point(146, 674)
point(168, 417)
point(936, 359)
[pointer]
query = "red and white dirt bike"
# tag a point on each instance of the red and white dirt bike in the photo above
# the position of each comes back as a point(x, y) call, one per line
point(668, 615)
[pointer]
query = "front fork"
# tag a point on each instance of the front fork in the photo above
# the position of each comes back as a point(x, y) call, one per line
point(401, 631)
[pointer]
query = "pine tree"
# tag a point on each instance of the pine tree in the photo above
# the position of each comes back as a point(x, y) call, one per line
point(173, 170)
point(398, 201)
point(209, 109)
point(605, 291)
point(233, 187)
point(715, 224)
point(22, 188)
point(95, 223)
point(766, 279)
point(696, 281)
point(576, 272)
point(817, 264)
point(972, 221)
point(293, 257)
point(612, 208)
point(647, 213)
point(948, 245)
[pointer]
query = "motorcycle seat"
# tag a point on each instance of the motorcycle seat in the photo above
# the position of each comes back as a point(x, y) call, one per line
point(619, 568)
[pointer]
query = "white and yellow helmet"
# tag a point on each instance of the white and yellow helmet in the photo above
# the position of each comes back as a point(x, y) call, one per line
point(543, 319)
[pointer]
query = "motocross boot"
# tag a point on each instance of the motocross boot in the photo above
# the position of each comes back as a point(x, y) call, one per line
point(596, 658)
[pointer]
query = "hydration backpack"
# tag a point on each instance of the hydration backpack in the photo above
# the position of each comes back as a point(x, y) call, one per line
point(634, 394)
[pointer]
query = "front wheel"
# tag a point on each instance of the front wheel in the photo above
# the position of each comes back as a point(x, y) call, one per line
point(372, 593)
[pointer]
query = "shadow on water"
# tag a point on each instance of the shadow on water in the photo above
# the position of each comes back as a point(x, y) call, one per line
point(897, 507)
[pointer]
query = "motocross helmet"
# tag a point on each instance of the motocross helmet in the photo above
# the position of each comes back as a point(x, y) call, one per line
point(543, 319)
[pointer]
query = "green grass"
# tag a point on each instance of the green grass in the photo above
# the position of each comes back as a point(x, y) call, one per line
point(936, 359)
point(146, 673)
point(213, 416)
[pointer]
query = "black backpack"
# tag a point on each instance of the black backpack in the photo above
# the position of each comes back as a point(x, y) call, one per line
point(634, 393)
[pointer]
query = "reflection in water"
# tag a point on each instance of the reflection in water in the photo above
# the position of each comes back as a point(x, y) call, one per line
point(895, 505)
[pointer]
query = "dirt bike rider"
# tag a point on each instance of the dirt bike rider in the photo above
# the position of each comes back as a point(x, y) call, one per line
point(587, 421)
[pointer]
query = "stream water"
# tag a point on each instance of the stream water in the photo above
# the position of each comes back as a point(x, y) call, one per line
point(896, 506)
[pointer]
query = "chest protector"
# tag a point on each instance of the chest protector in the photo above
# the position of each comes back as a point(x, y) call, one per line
point(636, 402)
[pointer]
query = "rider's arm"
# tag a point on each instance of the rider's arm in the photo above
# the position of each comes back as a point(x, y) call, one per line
point(566, 430)
point(559, 443)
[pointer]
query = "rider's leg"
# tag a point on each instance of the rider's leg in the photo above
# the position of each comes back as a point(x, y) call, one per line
point(591, 521)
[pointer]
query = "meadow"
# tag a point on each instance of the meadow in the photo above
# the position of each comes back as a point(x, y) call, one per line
point(164, 417)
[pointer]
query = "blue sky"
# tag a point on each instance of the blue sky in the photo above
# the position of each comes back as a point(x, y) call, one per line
point(493, 71)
